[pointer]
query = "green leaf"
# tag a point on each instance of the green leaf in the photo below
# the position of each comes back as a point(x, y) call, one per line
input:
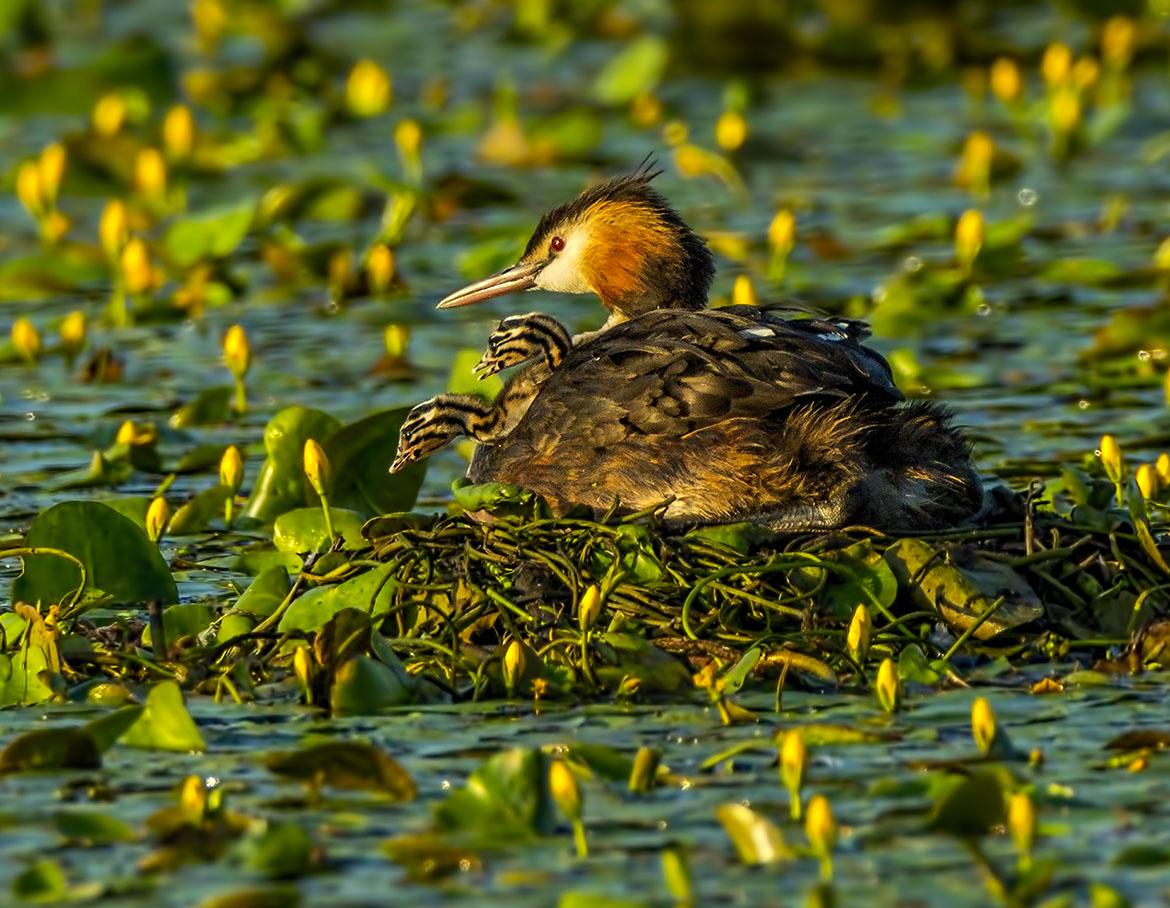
point(630, 656)
point(365, 686)
point(21, 675)
point(213, 233)
point(636, 70)
point(279, 851)
point(348, 765)
point(359, 456)
point(499, 500)
point(210, 407)
point(190, 619)
point(42, 882)
point(281, 483)
point(464, 381)
point(970, 806)
point(165, 723)
point(120, 561)
point(195, 516)
point(589, 900)
point(506, 797)
point(304, 530)
point(91, 827)
point(107, 729)
point(255, 897)
point(267, 591)
point(757, 839)
point(50, 748)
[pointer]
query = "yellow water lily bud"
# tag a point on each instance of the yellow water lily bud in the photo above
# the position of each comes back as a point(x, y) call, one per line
point(1021, 823)
point(193, 795)
point(691, 160)
point(209, 18)
point(743, 293)
point(29, 189)
point(26, 340)
point(644, 772)
point(55, 225)
point(396, 338)
point(368, 89)
point(589, 608)
point(1056, 64)
point(113, 229)
point(515, 663)
point(1162, 255)
point(646, 110)
point(73, 332)
point(304, 669)
point(821, 829)
point(231, 469)
point(127, 434)
point(380, 267)
point(150, 173)
point(1147, 481)
point(1111, 457)
point(968, 238)
point(1162, 468)
point(1065, 110)
point(562, 784)
point(1006, 82)
point(137, 273)
point(888, 686)
point(782, 232)
point(340, 267)
point(158, 515)
point(793, 765)
point(52, 167)
point(109, 114)
point(983, 724)
point(731, 130)
point(675, 133)
point(1085, 73)
point(858, 637)
point(974, 170)
point(408, 138)
point(1118, 38)
point(237, 351)
point(316, 466)
point(676, 871)
point(178, 132)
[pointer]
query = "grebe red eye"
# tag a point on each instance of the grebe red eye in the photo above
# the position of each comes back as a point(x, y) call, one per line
point(557, 244)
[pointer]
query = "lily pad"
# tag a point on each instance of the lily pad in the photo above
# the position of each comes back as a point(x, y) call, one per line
point(507, 796)
point(280, 485)
point(348, 765)
point(165, 723)
point(304, 530)
point(360, 454)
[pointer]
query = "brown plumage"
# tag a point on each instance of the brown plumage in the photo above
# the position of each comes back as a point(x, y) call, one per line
point(735, 413)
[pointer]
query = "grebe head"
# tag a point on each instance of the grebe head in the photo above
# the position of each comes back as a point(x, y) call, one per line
point(620, 240)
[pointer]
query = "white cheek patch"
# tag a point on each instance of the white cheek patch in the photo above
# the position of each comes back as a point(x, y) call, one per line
point(566, 272)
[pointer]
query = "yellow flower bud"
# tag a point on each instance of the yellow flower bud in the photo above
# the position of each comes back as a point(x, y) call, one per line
point(562, 784)
point(1147, 481)
point(109, 114)
point(52, 168)
point(231, 469)
point(888, 686)
point(178, 132)
point(193, 796)
point(113, 231)
point(742, 292)
point(380, 267)
point(974, 170)
point(316, 466)
point(368, 89)
point(1056, 64)
point(589, 608)
point(26, 340)
point(644, 772)
point(158, 515)
point(1111, 457)
point(29, 188)
point(1118, 38)
point(150, 173)
point(646, 110)
point(54, 226)
point(983, 724)
point(1085, 73)
point(675, 133)
point(691, 160)
point(731, 130)
point(396, 338)
point(237, 352)
point(408, 137)
point(858, 637)
point(1006, 83)
point(782, 232)
point(210, 18)
point(821, 829)
point(137, 272)
point(793, 765)
point(73, 331)
point(1065, 111)
point(304, 669)
point(1162, 468)
point(968, 238)
point(126, 433)
point(515, 662)
point(1021, 822)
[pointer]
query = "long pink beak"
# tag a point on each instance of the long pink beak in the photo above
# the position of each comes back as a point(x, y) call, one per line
point(521, 276)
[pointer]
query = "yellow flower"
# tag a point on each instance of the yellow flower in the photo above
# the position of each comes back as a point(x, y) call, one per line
point(1118, 38)
point(742, 292)
point(1065, 110)
point(1006, 83)
point(888, 686)
point(562, 784)
point(137, 272)
point(860, 630)
point(782, 232)
point(821, 829)
point(178, 132)
point(731, 130)
point(380, 267)
point(1056, 64)
point(1111, 457)
point(983, 724)
point(231, 469)
point(109, 114)
point(589, 607)
point(73, 332)
point(1162, 255)
point(646, 110)
point(968, 238)
point(126, 433)
point(1147, 481)
point(316, 466)
point(210, 18)
point(408, 137)
point(674, 133)
point(1021, 822)
point(974, 170)
point(1162, 467)
point(691, 160)
point(150, 173)
point(158, 515)
point(113, 230)
point(396, 338)
point(368, 89)
point(52, 168)
point(29, 188)
point(237, 352)
point(1085, 72)
point(54, 226)
point(793, 765)
point(26, 340)
point(515, 663)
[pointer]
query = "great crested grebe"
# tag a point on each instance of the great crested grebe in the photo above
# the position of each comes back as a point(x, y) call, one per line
point(732, 413)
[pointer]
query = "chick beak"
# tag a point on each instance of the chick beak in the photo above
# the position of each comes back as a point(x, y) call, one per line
point(521, 276)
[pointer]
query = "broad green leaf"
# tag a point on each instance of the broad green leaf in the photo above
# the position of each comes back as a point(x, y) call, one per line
point(276, 851)
point(347, 765)
point(464, 381)
point(91, 827)
point(359, 456)
point(107, 729)
point(304, 530)
point(165, 723)
point(507, 796)
point(195, 516)
point(969, 806)
point(365, 686)
point(210, 407)
point(190, 619)
point(757, 839)
point(21, 681)
point(208, 234)
point(267, 591)
point(50, 748)
point(636, 70)
point(119, 559)
point(281, 484)
point(42, 882)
